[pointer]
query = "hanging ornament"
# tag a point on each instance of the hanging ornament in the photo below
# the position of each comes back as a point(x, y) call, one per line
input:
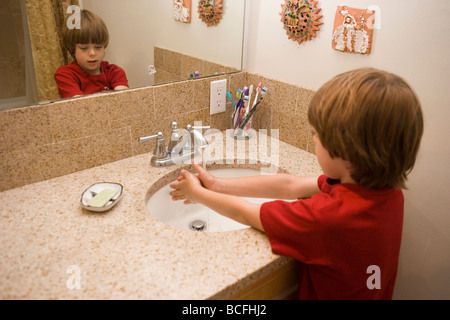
point(210, 11)
point(300, 19)
point(182, 10)
point(353, 30)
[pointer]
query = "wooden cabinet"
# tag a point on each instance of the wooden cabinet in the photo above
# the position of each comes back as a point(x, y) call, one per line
point(281, 284)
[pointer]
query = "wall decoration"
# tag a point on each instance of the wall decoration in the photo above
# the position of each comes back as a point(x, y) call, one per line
point(210, 11)
point(300, 19)
point(182, 10)
point(353, 30)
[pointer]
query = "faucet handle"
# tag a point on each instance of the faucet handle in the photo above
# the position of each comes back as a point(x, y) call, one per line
point(149, 138)
point(190, 127)
point(160, 149)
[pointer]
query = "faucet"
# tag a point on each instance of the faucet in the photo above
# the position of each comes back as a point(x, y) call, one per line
point(181, 148)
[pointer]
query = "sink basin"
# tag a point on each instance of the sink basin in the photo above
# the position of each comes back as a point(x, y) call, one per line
point(197, 217)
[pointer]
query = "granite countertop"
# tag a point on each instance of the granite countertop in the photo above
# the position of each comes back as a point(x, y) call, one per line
point(54, 249)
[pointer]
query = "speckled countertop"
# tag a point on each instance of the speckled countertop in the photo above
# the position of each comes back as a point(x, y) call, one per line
point(54, 249)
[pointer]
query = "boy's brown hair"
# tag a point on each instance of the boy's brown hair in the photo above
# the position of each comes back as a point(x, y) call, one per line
point(374, 120)
point(93, 30)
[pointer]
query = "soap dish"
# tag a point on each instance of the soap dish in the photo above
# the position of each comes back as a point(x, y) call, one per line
point(96, 188)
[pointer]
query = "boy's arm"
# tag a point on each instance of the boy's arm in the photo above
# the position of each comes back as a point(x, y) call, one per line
point(279, 186)
point(190, 189)
point(232, 207)
point(213, 192)
point(276, 186)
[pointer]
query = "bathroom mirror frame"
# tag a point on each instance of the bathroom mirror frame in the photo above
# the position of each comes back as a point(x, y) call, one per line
point(239, 52)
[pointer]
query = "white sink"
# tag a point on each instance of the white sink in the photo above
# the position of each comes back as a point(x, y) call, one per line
point(197, 217)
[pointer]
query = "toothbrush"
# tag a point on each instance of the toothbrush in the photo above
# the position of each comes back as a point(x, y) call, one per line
point(249, 99)
point(258, 90)
point(263, 93)
point(239, 94)
point(246, 100)
point(241, 112)
point(236, 114)
point(247, 119)
point(231, 99)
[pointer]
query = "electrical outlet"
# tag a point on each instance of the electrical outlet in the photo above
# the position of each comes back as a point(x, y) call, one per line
point(218, 97)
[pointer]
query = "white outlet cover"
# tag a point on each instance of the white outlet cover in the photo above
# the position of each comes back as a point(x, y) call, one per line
point(218, 97)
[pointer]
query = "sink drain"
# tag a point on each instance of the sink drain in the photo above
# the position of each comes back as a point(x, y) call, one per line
point(198, 225)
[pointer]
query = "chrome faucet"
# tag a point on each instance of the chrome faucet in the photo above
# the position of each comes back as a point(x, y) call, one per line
point(181, 148)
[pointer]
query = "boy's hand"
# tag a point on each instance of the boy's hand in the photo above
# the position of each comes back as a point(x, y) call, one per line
point(207, 179)
point(186, 187)
point(189, 188)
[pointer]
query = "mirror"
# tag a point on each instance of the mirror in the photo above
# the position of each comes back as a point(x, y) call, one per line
point(143, 33)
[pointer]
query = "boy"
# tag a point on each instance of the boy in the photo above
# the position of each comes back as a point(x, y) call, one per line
point(88, 73)
point(346, 228)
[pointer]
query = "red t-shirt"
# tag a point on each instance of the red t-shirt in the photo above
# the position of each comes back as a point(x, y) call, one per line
point(72, 80)
point(338, 235)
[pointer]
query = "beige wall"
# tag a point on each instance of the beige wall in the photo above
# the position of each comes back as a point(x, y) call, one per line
point(175, 66)
point(412, 42)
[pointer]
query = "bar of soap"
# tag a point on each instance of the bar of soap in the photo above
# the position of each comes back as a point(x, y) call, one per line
point(102, 198)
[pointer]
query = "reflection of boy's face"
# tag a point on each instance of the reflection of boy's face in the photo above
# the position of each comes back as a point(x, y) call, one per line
point(89, 57)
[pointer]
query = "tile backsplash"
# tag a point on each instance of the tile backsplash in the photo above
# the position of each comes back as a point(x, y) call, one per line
point(45, 141)
point(172, 66)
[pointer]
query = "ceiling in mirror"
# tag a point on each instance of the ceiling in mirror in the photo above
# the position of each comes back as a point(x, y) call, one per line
point(145, 40)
